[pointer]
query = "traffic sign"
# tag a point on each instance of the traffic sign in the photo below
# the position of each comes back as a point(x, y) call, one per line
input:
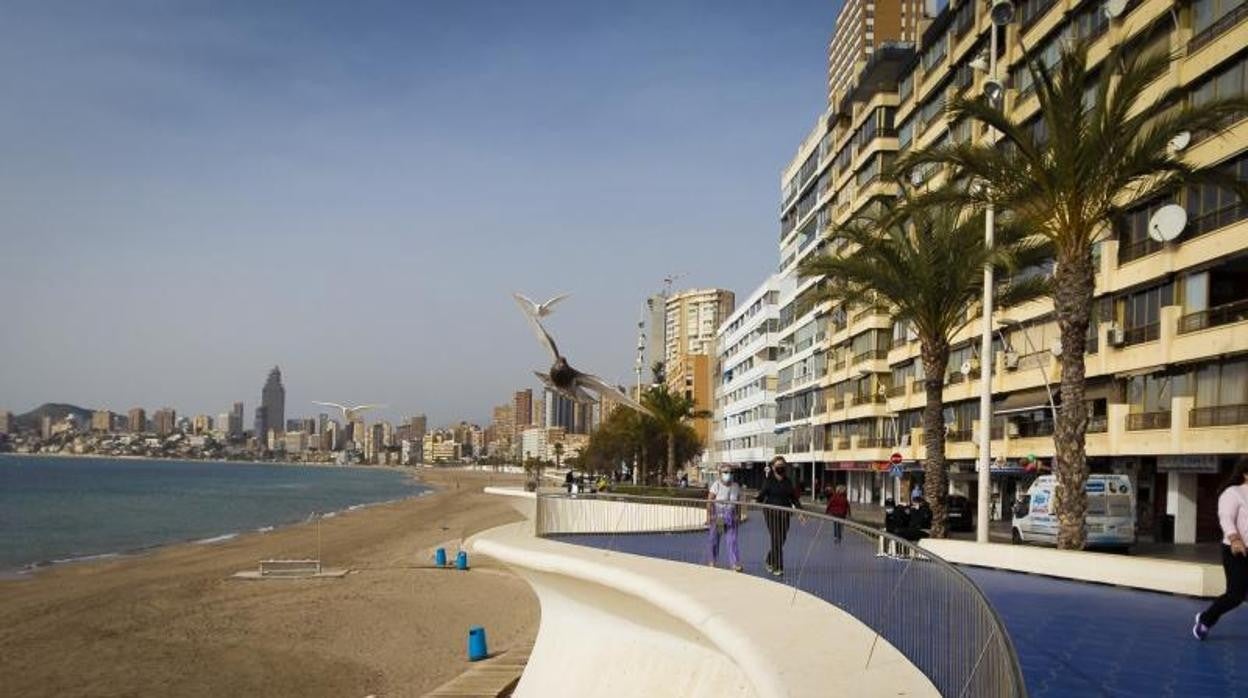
point(895, 471)
point(895, 459)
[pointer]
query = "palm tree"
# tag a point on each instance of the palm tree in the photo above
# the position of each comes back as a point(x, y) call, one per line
point(670, 412)
point(926, 262)
point(558, 449)
point(1107, 146)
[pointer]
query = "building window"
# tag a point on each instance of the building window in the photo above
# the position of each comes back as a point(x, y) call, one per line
point(1206, 13)
point(1210, 207)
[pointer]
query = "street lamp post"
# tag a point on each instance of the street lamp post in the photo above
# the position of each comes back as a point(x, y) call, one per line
point(1002, 13)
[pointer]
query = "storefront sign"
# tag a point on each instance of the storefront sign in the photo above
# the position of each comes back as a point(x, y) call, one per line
point(1187, 464)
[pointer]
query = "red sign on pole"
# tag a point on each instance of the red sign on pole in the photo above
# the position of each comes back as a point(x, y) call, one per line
point(895, 459)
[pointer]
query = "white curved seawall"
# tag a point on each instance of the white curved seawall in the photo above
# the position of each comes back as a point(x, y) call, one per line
point(592, 515)
point(615, 624)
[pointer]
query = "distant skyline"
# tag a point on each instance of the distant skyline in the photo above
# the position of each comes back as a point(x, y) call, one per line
point(195, 192)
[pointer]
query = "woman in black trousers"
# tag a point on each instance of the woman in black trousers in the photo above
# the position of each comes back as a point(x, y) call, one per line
point(778, 491)
point(1233, 519)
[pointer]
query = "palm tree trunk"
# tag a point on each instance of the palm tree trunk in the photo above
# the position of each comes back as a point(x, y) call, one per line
point(935, 470)
point(1072, 300)
point(671, 456)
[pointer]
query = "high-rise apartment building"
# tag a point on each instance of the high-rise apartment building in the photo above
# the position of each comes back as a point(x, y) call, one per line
point(103, 421)
point(271, 414)
point(745, 381)
point(522, 409)
point(656, 334)
point(691, 319)
point(164, 421)
point(560, 411)
point(862, 27)
point(201, 424)
point(1167, 361)
point(7, 425)
point(234, 427)
point(137, 418)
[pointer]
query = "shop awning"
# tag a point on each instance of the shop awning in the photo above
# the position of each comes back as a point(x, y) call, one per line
point(1025, 401)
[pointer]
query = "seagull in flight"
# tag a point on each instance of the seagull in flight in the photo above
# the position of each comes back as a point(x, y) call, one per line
point(562, 378)
point(539, 310)
point(349, 413)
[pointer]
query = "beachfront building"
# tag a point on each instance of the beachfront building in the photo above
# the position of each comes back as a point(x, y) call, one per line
point(1167, 367)
point(103, 421)
point(745, 386)
point(137, 418)
point(690, 321)
point(7, 423)
point(271, 414)
point(165, 421)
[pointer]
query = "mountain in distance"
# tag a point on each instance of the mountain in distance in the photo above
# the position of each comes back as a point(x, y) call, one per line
point(57, 410)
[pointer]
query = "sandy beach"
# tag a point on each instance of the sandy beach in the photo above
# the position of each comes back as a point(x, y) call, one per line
point(172, 622)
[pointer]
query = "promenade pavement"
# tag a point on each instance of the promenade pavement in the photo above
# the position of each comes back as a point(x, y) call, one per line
point(1072, 638)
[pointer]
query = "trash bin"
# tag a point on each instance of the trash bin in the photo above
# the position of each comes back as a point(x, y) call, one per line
point(1165, 529)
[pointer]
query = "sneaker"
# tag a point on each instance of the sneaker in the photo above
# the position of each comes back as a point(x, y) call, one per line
point(737, 568)
point(769, 567)
point(711, 563)
point(777, 573)
point(1200, 630)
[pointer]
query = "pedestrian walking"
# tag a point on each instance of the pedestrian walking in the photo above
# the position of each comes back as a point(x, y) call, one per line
point(722, 498)
point(778, 491)
point(1233, 518)
point(838, 507)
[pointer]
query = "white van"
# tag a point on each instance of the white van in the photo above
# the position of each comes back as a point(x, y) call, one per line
point(1110, 520)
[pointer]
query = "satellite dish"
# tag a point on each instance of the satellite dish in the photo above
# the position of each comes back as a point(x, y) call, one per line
point(1115, 8)
point(1056, 347)
point(916, 177)
point(980, 63)
point(1180, 141)
point(1167, 222)
point(965, 368)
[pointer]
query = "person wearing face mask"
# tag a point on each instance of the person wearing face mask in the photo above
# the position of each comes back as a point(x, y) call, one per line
point(778, 491)
point(721, 518)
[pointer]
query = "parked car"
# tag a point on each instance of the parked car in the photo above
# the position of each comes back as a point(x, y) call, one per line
point(961, 515)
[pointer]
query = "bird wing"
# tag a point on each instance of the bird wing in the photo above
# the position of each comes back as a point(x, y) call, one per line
point(330, 404)
point(603, 388)
point(361, 408)
point(545, 308)
point(530, 313)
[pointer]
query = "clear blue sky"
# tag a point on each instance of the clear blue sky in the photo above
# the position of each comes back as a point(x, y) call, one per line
point(191, 192)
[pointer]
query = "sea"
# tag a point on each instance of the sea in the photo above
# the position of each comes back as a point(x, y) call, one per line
point(56, 510)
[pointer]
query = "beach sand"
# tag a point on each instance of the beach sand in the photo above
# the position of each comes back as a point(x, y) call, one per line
point(173, 623)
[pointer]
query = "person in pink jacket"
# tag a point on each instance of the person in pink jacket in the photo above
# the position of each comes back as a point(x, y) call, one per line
point(1233, 517)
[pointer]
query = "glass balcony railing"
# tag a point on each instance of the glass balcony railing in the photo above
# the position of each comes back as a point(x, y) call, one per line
point(1213, 317)
point(1218, 416)
point(1143, 421)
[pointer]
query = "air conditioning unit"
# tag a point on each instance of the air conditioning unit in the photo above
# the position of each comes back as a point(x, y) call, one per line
point(1116, 336)
point(1011, 360)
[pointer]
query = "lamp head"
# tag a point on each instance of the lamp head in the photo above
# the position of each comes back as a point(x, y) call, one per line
point(994, 91)
point(1002, 12)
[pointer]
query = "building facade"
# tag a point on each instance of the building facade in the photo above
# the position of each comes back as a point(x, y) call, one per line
point(137, 418)
point(1167, 364)
point(7, 425)
point(862, 26)
point(691, 319)
point(271, 414)
point(164, 421)
point(745, 382)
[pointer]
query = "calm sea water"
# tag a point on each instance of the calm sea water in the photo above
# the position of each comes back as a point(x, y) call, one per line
point(54, 509)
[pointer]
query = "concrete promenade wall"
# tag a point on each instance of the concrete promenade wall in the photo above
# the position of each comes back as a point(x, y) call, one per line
point(1152, 574)
point(589, 515)
point(615, 624)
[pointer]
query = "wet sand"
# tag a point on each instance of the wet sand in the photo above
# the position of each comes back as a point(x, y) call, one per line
point(173, 623)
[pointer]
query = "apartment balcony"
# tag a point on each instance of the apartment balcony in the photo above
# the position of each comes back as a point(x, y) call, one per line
point(1218, 416)
point(1141, 421)
point(1141, 334)
point(957, 435)
point(870, 355)
point(1098, 424)
point(898, 390)
point(1226, 314)
point(873, 442)
point(1218, 28)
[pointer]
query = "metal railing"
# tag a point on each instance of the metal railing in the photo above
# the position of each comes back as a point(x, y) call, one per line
point(1213, 317)
point(1218, 28)
point(1141, 421)
point(923, 606)
point(1218, 416)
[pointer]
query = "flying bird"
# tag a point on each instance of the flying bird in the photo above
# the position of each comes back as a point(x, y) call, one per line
point(540, 310)
point(348, 413)
point(562, 378)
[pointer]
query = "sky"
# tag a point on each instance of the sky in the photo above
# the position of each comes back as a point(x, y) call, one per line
point(193, 192)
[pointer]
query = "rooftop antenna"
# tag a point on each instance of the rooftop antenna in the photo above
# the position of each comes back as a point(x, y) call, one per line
point(669, 280)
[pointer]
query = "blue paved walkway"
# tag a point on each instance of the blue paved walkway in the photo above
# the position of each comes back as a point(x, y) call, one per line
point(1076, 639)
point(1072, 638)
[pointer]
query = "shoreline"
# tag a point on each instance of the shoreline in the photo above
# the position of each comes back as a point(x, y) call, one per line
point(174, 622)
point(31, 569)
point(222, 461)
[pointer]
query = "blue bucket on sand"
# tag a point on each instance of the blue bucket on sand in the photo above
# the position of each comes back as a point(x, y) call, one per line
point(461, 561)
point(476, 644)
point(439, 557)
